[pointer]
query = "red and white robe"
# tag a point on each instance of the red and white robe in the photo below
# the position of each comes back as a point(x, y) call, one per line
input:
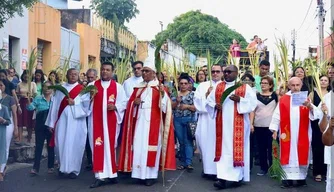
point(70, 128)
point(147, 140)
point(293, 124)
point(104, 127)
point(229, 166)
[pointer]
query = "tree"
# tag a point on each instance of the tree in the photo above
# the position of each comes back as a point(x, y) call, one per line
point(8, 9)
point(198, 32)
point(125, 10)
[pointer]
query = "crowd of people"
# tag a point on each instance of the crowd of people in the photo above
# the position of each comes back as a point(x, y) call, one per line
point(149, 116)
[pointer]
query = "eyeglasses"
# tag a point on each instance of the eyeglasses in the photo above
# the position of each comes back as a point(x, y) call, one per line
point(213, 71)
point(264, 83)
point(146, 71)
point(228, 71)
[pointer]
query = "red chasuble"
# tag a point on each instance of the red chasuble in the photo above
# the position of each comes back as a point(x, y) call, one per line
point(238, 128)
point(98, 137)
point(130, 121)
point(285, 129)
point(64, 103)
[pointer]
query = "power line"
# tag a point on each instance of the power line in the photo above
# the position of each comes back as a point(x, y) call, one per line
point(308, 10)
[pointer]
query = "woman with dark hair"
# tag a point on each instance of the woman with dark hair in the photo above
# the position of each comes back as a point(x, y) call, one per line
point(11, 129)
point(53, 77)
point(184, 113)
point(200, 77)
point(267, 101)
point(319, 167)
point(39, 80)
point(301, 74)
point(25, 118)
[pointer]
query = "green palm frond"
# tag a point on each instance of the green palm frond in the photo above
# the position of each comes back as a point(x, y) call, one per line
point(66, 66)
point(276, 171)
point(31, 66)
point(88, 89)
point(122, 68)
point(61, 89)
point(209, 66)
point(158, 63)
point(228, 91)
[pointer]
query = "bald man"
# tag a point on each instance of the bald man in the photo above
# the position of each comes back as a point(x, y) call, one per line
point(293, 124)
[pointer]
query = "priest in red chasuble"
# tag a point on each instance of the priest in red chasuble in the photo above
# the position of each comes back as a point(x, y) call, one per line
point(148, 133)
point(232, 148)
point(67, 121)
point(292, 121)
point(104, 123)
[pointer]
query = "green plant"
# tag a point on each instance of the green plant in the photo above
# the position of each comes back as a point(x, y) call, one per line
point(31, 66)
point(276, 171)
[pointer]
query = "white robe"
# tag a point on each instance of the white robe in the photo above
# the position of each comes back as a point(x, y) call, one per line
point(70, 131)
point(120, 105)
point(130, 83)
point(293, 170)
point(205, 130)
point(140, 142)
point(329, 158)
point(225, 168)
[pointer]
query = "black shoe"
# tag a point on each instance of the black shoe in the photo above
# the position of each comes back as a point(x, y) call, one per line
point(301, 183)
point(97, 183)
point(203, 175)
point(236, 184)
point(220, 184)
point(112, 181)
point(89, 167)
point(286, 184)
point(261, 173)
point(72, 176)
point(212, 177)
point(60, 174)
point(150, 182)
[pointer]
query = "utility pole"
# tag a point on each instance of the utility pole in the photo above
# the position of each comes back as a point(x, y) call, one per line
point(321, 17)
point(293, 36)
point(162, 25)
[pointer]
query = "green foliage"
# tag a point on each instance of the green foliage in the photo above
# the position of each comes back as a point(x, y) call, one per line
point(61, 89)
point(198, 32)
point(8, 9)
point(88, 89)
point(228, 91)
point(125, 10)
point(31, 66)
point(122, 68)
point(276, 171)
point(157, 62)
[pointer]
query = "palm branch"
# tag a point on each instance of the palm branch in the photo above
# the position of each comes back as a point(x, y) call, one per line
point(61, 89)
point(122, 68)
point(66, 66)
point(209, 66)
point(276, 171)
point(31, 66)
point(89, 89)
point(158, 63)
point(228, 91)
point(282, 46)
point(175, 78)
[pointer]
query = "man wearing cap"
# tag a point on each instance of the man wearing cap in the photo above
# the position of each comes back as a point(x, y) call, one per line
point(148, 135)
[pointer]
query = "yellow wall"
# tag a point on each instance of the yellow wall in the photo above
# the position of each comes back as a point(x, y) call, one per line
point(142, 50)
point(90, 44)
point(44, 24)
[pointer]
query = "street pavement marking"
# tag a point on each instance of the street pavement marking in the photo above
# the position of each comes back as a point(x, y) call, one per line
point(175, 180)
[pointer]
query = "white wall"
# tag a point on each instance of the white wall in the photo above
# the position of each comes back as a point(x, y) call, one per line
point(70, 41)
point(328, 6)
point(78, 4)
point(18, 28)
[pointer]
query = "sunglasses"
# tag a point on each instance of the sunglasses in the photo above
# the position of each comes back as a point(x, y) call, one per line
point(213, 71)
point(146, 71)
point(228, 71)
point(183, 83)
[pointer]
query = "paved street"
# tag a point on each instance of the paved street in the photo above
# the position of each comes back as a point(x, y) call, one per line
point(20, 181)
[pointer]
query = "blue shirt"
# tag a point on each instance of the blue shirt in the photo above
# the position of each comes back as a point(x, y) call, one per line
point(39, 103)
